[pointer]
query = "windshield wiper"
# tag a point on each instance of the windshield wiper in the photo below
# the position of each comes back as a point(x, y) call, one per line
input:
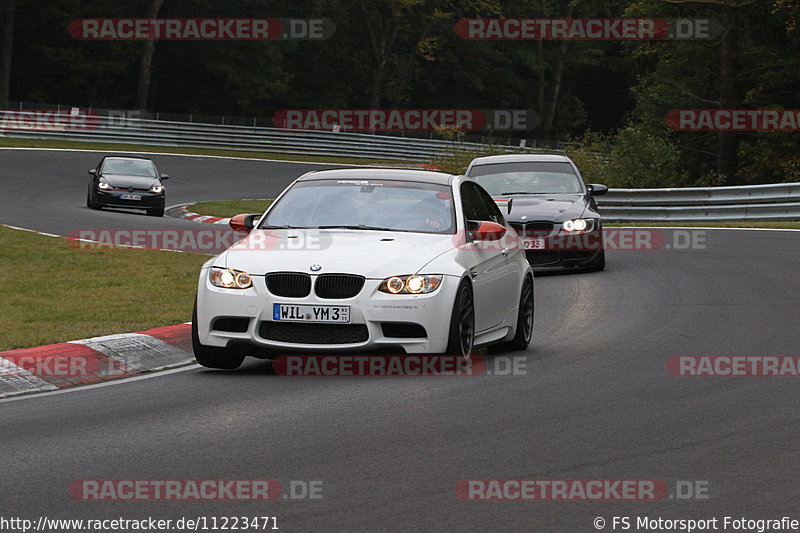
point(360, 226)
point(285, 226)
point(511, 193)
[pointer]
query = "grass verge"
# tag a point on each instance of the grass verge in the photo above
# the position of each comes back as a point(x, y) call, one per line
point(64, 293)
point(764, 224)
point(121, 147)
point(229, 208)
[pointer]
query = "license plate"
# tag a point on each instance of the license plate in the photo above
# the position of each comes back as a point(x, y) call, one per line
point(533, 244)
point(311, 313)
point(131, 196)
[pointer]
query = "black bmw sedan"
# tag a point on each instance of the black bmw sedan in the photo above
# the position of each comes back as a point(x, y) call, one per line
point(131, 182)
point(545, 199)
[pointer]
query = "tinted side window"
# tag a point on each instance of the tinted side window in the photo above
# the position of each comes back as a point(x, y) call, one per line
point(495, 215)
point(474, 206)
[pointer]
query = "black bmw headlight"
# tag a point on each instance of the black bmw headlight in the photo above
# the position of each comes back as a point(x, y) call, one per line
point(578, 225)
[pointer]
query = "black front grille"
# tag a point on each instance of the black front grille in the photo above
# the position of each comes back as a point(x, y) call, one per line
point(539, 226)
point(311, 333)
point(131, 189)
point(533, 229)
point(338, 285)
point(289, 284)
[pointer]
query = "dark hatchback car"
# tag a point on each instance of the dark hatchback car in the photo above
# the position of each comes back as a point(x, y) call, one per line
point(130, 182)
point(545, 199)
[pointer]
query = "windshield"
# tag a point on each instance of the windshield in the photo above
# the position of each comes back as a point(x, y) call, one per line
point(129, 167)
point(527, 178)
point(365, 204)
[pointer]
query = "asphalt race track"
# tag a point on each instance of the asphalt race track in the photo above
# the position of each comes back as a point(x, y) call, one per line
point(595, 400)
point(45, 190)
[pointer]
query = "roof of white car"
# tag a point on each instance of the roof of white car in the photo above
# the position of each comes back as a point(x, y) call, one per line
point(397, 174)
point(520, 158)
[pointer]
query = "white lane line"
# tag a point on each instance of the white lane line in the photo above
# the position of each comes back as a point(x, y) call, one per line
point(88, 241)
point(702, 227)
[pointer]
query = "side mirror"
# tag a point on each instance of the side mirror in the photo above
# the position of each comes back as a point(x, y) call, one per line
point(595, 189)
point(163, 177)
point(92, 171)
point(484, 230)
point(244, 222)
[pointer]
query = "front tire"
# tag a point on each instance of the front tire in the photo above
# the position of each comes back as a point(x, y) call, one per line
point(156, 211)
point(524, 332)
point(600, 262)
point(91, 202)
point(462, 322)
point(211, 356)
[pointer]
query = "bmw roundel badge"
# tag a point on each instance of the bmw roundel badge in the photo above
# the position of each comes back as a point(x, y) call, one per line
point(315, 268)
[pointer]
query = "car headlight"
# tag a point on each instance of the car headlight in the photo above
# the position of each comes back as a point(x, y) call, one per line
point(578, 225)
point(156, 188)
point(412, 284)
point(103, 184)
point(229, 279)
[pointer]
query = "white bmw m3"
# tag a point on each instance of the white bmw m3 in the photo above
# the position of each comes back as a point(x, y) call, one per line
point(360, 260)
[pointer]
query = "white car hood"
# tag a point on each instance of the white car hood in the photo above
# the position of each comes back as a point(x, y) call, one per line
point(373, 254)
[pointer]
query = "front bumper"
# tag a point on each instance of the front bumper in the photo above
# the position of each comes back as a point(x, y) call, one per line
point(242, 320)
point(565, 251)
point(114, 198)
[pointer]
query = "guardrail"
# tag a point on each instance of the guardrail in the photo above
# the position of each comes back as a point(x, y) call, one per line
point(756, 202)
point(779, 201)
point(120, 129)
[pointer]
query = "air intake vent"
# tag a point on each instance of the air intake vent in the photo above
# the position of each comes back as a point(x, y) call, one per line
point(311, 333)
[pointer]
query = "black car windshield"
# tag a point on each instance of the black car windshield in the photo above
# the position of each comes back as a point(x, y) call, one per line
point(527, 178)
point(129, 167)
point(365, 204)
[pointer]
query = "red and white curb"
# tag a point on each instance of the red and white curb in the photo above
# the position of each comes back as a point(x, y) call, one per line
point(180, 211)
point(67, 364)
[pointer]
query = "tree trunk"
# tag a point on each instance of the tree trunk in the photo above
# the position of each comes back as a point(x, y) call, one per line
point(376, 86)
point(549, 112)
point(5, 51)
point(727, 161)
point(146, 64)
point(555, 91)
point(540, 90)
